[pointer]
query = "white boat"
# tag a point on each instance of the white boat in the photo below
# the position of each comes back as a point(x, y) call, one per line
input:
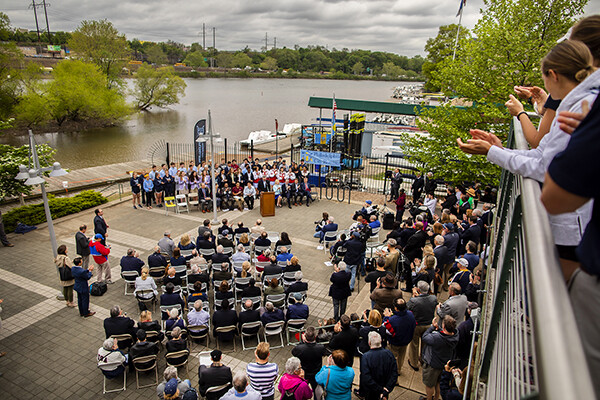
point(260, 137)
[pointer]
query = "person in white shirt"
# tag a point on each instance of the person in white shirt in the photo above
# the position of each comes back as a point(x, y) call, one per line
point(430, 202)
point(197, 316)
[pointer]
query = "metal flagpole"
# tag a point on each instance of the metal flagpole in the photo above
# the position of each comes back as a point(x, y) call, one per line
point(462, 4)
point(212, 169)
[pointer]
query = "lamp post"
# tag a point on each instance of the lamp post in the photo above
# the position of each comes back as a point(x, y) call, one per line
point(204, 138)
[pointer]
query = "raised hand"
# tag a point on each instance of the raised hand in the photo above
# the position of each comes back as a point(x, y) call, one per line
point(569, 121)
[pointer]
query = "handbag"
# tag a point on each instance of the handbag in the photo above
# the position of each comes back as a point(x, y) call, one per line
point(65, 273)
point(320, 391)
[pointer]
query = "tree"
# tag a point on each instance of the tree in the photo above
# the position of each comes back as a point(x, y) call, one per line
point(358, 68)
point(269, 64)
point(11, 158)
point(195, 59)
point(512, 37)
point(157, 87)
point(225, 60)
point(156, 55)
point(440, 48)
point(391, 70)
point(241, 60)
point(99, 42)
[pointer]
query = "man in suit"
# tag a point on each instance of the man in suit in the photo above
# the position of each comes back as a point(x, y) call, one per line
point(473, 232)
point(263, 185)
point(131, 262)
point(345, 338)
point(430, 183)
point(224, 317)
point(440, 252)
point(205, 242)
point(205, 198)
point(82, 243)
point(219, 258)
point(141, 349)
point(451, 200)
point(119, 324)
point(291, 189)
point(249, 315)
point(81, 276)
point(241, 229)
point(304, 191)
point(396, 182)
point(339, 290)
point(251, 290)
point(355, 253)
point(156, 259)
point(215, 374)
point(297, 286)
point(414, 249)
point(271, 314)
point(417, 186)
point(329, 227)
point(487, 217)
point(100, 225)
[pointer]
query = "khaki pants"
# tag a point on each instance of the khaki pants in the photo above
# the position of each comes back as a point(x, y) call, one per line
point(103, 269)
point(399, 352)
point(414, 348)
point(446, 276)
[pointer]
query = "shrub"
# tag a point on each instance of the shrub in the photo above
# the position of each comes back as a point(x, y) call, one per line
point(59, 207)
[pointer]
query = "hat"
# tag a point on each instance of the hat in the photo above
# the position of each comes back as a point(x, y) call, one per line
point(98, 236)
point(471, 192)
point(463, 262)
point(369, 202)
point(389, 280)
point(298, 296)
point(472, 305)
point(356, 235)
point(449, 226)
point(225, 232)
point(171, 387)
point(216, 354)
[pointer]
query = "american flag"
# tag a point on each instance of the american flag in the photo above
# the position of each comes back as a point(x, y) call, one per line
point(333, 117)
point(463, 3)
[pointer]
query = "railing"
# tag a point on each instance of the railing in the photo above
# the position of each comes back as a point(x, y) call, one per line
point(530, 346)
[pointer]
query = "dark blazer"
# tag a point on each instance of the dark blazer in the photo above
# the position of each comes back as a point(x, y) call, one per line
point(451, 242)
point(340, 287)
point(226, 242)
point(130, 263)
point(311, 357)
point(274, 316)
point(242, 230)
point(176, 345)
point(442, 256)
point(156, 260)
point(141, 349)
point(330, 228)
point(473, 233)
point(355, 251)
point(81, 277)
point(249, 316)
point(83, 244)
point(213, 376)
point(271, 269)
point(415, 244)
point(297, 287)
point(251, 291)
point(345, 340)
point(449, 203)
point(224, 318)
point(262, 242)
point(220, 258)
point(120, 326)
point(100, 225)
point(175, 280)
point(167, 299)
point(151, 326)
point(263, 186)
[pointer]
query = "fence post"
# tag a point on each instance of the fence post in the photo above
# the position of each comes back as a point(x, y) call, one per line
point(225, 141)
point(252, 149)
point(168, 156)
point(387, 162)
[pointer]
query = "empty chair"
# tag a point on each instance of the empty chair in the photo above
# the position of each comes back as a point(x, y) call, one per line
point(278, 300)
point(178, 359)
point(170, 203)
point(274, 329)
point(247, 331)
point(193, 200)
point(294, 326)
point(144, 364)
point(129, 279)
point(329, 238)
point(225, 329)
point(182, 203)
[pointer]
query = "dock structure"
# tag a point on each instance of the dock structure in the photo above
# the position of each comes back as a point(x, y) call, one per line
point(283, 145)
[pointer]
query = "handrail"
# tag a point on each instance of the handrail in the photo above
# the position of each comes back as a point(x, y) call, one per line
point(530, 345)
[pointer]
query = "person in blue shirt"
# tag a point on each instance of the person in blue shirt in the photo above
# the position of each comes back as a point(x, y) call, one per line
point(284, 255)
point(374, 222)
point(149, 191)
point(136, 188)
point(81, 277)
point(329, 227)
point(336, 377)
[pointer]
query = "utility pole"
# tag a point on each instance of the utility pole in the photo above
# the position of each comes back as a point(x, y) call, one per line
point(214, 45)
point(37, 26)
point(203, 36)
point(266, 42)
point(275, 42)
point(47, 25)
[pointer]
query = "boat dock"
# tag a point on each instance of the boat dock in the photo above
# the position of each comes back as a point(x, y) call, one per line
point(282, 146)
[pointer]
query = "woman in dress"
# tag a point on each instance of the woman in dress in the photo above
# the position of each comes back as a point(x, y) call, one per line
point(181, 183)
point(194, 182)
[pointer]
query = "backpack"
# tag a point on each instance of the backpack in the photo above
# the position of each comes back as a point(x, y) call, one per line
point(290, 394)
point(98, 288)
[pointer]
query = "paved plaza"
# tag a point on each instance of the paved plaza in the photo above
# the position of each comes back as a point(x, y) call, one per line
point(51, 351)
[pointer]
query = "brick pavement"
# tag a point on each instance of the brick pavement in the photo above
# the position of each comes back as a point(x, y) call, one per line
point(51, 350)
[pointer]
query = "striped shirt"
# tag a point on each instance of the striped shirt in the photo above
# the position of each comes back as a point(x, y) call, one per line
point(262, 377)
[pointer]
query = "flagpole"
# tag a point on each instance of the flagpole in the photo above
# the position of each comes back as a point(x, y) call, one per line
point(458, 31)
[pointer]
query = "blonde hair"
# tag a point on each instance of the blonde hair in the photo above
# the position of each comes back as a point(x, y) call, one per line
point(244, 238)
point(375, 318)
point(427, 250)
point(146, 315)
point(429, 261)
point(145, 273)
point(294, 260)
point(445, 218)
point(185, 239)
point(245, 269)
point(571, 59)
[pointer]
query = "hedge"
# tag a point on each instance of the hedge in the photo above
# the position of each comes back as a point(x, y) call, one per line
point(59, 207)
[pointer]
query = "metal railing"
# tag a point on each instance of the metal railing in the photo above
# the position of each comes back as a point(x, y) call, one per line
point(530, 346)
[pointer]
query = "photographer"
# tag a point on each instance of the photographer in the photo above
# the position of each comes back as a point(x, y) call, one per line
point(451, 381)
point(400, 205)
point(320, 224)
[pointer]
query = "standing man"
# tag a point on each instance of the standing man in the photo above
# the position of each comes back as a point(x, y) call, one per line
point(82, 243)
point(310, 354)
point(3, 237)
point(100, 254)
point(339, 289)
point(262, 373)
point(100, 225)
point(396, 182)
point(430, 183)
point(422, 305)
point(400, 326)
point(355, 253)
point(377, 371)
point(81, 276)
point(215, 374)
point(440, 345)
point(417, 187)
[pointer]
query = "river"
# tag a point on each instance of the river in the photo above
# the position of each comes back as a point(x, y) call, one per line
point(238, 106)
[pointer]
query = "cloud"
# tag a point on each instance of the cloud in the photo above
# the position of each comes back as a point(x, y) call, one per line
point(380, 25)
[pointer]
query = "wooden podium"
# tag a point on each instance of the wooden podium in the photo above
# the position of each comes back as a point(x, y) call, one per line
point(267, 204)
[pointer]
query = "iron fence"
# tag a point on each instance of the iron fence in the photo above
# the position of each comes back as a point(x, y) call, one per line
point(529, 346)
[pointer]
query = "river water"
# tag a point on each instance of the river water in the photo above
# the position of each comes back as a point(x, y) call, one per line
point(238, 106)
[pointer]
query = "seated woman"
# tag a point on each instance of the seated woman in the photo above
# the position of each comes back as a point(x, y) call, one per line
point(265, 256)
point(197, 294)
point(274, 288)
point(245, 271)
point(110, 359)
point(277, 189)
point(284, 240)
point(245, 240)
point(186, 243)
point(177, 258)
point(174, 320)
point(223, 292)
point(144, 282)
point(147, 324)
point(294, 265)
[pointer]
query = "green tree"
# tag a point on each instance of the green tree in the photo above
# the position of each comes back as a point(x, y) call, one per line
point(440, 48)
point(9, 57)
point(11, 158)
point(157, 87)
point(225, 60)
point(99, 42)
point(195, 59)
point(5, 30)
point(156, 55)
point(390, 70)
point(512, 37)
point(269, 64)
point(358, 68)
point(241, 60)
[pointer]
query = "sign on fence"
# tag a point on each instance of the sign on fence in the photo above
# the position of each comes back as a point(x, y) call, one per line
point(199, 147)
point(320, 158)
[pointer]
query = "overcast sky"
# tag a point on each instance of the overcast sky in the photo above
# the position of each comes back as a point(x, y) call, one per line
point(398, 26)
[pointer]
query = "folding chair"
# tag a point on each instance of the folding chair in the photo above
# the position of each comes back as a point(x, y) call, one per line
point(178, 359)
point(144, 364)
point(182, 203)
point(256, 301)
point(186, 253)
point(165, 310)
point(181, 271)
point(329, 238)
point(244, 333)
point(278, 300)
point(126, 337)
point(240, 285)
point(157, 273)
point(143, 297)
point(282, 264)
point(237, 266)
point(225, 329)
point(198, 332)
point(228, 251)
point(260, 265)
point(273, 236)
point(268, 278)
point(111, 365)
point(170, 203)
point(294, 326)
point(260, 249)
point(207, 252)
point(129, 279)
point(217, 389)
point(193, 200)
point(274, 329)
point(289, 278)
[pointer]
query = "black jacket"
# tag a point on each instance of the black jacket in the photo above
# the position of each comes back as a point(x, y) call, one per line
point(141, 349)
point(83, 244)
point(345, 340)
point(263, 186)
point(100, 225)
point(451, 240)
point(156, 260)
point(442, 256)
point(449, 203)
point(415, 244)
point(271, 269)
point(340, 285)
point(224, 318)
point(378, 370)
point(176, 345)
point(297, 287)
point(251, 291)
point(249, 316)
point(119, 326)
point(311, 357)
point(213, 376)
point(355, 251)
point(130, 263)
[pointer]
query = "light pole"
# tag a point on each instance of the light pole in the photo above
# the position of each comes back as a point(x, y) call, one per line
point(204, 138)
point(34, 176)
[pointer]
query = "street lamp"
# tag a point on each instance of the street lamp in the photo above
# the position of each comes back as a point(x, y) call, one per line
point(34, 176)
point(203, 139)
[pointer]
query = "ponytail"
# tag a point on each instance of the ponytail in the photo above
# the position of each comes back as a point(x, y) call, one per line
point(571, 59)
point(145, 273)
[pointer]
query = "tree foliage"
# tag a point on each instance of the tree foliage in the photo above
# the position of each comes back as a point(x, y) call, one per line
point(512, 38)
point(269, 63)
point(11, 158)
point(157, 87)
point(195, 59)
point(99, 42)
point(156, 55)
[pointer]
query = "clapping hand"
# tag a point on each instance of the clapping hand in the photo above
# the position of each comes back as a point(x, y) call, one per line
point(569, 121)
point(535, 93)
point(387, 312)
point(514, 105)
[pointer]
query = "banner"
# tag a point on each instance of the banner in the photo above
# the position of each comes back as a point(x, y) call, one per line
point(320, 158)
point(199, 147)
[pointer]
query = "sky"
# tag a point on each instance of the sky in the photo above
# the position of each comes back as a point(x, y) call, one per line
point(397, 26)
